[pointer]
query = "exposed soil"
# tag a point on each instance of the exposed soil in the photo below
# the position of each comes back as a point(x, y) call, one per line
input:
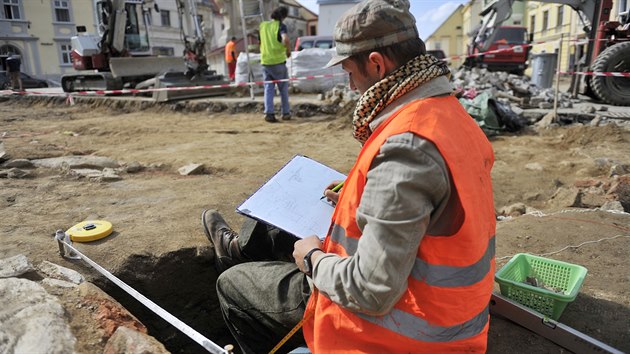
point(159, 248)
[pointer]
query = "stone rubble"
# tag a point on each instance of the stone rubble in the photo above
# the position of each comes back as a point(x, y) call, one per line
point(192, 169)
point(15, 266)
point(32, 320)
point(3, 153)
point(609, 194)
point(93, 168)
point(40, 316)
point(518, 94)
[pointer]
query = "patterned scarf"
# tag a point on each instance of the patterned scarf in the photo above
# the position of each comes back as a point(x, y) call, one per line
point(414, 73)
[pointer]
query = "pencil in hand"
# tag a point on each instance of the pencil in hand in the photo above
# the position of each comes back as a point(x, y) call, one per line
point(335, 189)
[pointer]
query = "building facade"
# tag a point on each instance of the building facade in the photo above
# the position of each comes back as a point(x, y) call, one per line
point(167, 26)
point(329, 12)
point(300, 22)
point(40, 32)
point(449, 36)
point(548, 22)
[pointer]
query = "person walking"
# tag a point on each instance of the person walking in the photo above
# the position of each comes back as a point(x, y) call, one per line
point(275, 48)
point(13, 67)
point(408, 263)
point(230, 58)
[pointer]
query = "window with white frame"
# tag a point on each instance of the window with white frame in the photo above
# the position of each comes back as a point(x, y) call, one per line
point(560, 20)
point(62, 10)
point(165, 16)
point(11, 9)
point(64, 50)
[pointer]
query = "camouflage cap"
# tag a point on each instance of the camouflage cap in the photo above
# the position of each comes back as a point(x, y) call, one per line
point(372, 24)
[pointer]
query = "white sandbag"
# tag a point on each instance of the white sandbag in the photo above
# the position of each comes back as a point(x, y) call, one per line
point(242, 71)
point(311, 61)
point(257, 75)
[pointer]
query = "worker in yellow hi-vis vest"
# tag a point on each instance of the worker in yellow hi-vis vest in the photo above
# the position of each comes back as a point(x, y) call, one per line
point(274, 51)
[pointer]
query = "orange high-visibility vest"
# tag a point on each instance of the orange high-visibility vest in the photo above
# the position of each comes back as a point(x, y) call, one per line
point(229, 48)
point(445, 306)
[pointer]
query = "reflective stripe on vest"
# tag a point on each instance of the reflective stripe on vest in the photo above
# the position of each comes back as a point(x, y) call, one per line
point(418, 329)
point(431, 274)
point(272, 52)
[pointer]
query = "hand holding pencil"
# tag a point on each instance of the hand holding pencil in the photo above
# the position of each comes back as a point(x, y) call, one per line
point(332, 191)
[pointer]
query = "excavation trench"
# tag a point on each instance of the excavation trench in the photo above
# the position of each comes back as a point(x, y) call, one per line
point(182, 283)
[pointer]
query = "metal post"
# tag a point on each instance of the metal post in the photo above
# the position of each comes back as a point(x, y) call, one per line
point(250, 74)
point(555, 96)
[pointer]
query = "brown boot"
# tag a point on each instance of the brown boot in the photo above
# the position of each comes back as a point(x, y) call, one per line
point(225, 240)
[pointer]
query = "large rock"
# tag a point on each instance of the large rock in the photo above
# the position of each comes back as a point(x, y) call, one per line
point(3, 154)
point(592, 197)
point(620, 191)
point(128, 341)
point(31, 320)
point(108, 312)
point(74, 162)
point(18, 163)
point(62, 273)
point(15, 266)
point(565, 197)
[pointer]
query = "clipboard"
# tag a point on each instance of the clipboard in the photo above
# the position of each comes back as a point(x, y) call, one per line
point(290, 199)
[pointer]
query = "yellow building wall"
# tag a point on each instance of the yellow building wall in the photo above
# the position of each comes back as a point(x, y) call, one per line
point(571, 26)
point(466, 27)
point(46, 58)
point(550, 22)
point(449, 37)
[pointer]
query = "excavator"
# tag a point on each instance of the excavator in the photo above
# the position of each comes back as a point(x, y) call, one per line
point(119, 55)
point(608, 48)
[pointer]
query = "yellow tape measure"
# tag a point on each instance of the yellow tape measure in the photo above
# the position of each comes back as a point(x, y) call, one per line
point(90, 230)
point(297, 327)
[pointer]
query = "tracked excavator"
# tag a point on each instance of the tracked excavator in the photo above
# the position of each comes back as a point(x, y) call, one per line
point(119, 56)
point(608, 48)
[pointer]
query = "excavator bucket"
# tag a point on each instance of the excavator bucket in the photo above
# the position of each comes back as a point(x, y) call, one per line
point(182, 87)
point(138, 66)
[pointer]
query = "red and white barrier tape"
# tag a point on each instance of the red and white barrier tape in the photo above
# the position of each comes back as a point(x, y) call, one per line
point(595, 73)
point(521, 48)
point(183, 88)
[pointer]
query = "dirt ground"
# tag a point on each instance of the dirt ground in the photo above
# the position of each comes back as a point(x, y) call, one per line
point(158, 245)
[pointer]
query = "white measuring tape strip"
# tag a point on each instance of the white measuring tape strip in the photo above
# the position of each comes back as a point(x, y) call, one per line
point(177, 323)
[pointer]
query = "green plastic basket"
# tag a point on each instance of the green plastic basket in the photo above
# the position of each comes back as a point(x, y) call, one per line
point(565, 277)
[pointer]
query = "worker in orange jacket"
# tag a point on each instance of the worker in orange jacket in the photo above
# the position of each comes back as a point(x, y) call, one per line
point(408, 263)
point(230, 58)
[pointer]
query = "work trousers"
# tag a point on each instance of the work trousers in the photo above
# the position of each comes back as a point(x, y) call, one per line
point(232, 70)
point(276, 72)
point(262, 300)
point(16, 80)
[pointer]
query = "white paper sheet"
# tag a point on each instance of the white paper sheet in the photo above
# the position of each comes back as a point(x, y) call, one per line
point(290, 200)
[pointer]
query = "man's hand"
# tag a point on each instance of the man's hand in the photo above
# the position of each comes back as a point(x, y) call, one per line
point(329, 194)
point(302, 247)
